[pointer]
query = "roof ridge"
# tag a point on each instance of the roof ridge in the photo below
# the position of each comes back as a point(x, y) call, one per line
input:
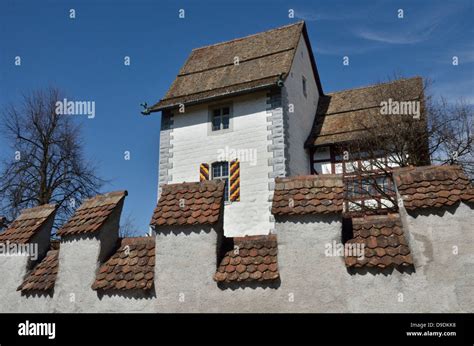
point(233, 64)
point(38, 207)
point(102, 198)
point(248, 36)
point(373, 85)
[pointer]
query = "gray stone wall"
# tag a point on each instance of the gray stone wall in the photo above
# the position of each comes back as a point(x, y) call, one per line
point(277, 119)
point(166, 150)
point(311, 279)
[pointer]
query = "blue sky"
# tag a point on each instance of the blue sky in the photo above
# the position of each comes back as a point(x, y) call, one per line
point(85, 58)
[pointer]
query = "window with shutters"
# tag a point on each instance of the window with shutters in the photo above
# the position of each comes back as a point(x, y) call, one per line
point(220, 171)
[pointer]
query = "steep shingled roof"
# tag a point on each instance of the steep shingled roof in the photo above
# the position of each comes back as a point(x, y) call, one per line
point(253, 258)
point(311, 194)
point(210, 72)
point(43, 276)
point(433, 186)
point(383, 240)
point(189, 203)
point(131, 267)
point(27, 224)
point(344, 115)
point(92, 214)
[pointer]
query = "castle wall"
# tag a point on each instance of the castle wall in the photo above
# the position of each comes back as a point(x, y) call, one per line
point(311, 279)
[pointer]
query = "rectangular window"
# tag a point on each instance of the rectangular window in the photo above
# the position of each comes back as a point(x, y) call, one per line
point(304, 87)
point(220, 118)
point(220, 171)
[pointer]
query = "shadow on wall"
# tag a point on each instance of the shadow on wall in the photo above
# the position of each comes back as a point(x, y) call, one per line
point(438, 211)
point(378, 271)
point(128, 294)
point(273, 284)
point(38, 294)
point(308, 218)
point(347, 230)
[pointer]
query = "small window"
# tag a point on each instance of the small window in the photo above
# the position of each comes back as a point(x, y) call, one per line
point(220, 171)
point(220, 118)
point(304, 87)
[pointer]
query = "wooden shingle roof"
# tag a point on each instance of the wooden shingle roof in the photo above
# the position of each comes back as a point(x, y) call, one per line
point(344, 115)
point(92, 214)
point(211, 72)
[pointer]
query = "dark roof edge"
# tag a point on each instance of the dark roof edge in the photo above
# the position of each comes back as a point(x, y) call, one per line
point(313, 61)
point(154, 109)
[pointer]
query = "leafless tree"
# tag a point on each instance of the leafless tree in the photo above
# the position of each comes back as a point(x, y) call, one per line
point(46, 163)
point(128, 227)
point(452, 137)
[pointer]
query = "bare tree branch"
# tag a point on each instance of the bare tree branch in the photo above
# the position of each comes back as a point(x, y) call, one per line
point(47, 163)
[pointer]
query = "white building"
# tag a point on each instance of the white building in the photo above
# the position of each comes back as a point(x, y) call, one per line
point(252, 100)
point(252, 109)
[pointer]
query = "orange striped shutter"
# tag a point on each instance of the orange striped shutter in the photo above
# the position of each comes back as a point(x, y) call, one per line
point(234, 181)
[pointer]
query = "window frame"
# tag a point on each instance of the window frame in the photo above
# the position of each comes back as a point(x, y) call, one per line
point(222, 177)
point(211, 117)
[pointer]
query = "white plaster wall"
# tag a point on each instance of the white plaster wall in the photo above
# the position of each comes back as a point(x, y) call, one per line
point(193, 145)
point(77, 267)
point(12, 271)
point(442, 242)
point(301, 121)
point(301, 259)
point(185, 265)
